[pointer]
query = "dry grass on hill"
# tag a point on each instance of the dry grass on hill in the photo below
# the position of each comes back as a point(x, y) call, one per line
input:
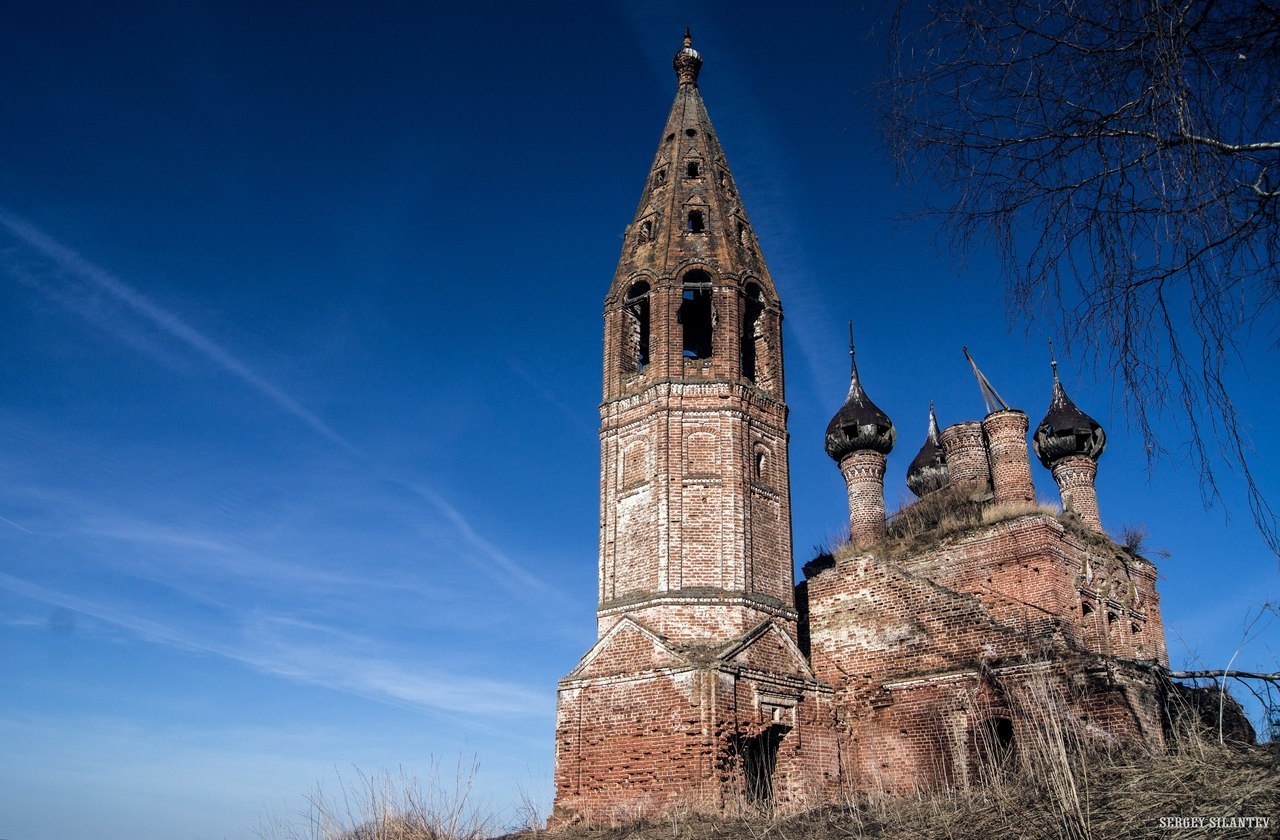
point(1052, 795)
point(1105, 796)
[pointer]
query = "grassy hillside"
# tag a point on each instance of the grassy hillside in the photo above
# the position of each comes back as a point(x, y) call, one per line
point(1054, 793)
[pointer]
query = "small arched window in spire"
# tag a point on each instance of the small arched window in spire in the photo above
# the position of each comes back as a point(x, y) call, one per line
point(697, 222)
point(635, 328)
point(696, 316)
point(691, 169)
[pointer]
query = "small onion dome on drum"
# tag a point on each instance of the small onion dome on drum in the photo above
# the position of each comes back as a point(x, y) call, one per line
point(1066, 430)
point(687, 62)
point(928, 470)
point(859, 424)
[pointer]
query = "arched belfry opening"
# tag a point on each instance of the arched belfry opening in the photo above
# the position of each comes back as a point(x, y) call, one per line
point(635, 328)
point(697, 315)
point(752, 338)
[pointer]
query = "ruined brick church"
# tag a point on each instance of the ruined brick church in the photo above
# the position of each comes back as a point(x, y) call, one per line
point(901, 662)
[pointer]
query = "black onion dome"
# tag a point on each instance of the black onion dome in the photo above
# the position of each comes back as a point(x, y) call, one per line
point(928, 470)
point(859, 424)
point(1066, 430)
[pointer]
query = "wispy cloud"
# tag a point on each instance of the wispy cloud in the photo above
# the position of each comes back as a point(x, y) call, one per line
point(575, 417)
point(70, 261)
point(311, 653)
point(8, 521)
point(504, 569)
point(506, 572)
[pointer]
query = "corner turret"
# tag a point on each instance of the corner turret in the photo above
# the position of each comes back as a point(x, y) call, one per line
point(859, 439)
point(928, 471)
point(1069, 443)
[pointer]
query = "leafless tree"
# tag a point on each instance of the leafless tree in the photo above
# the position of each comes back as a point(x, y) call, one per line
point(1124, 157)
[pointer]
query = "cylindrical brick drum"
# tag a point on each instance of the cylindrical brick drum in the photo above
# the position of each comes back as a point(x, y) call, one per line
point(1075, 475)
point(863, 472)
point(965, 448)
point(1010, 459)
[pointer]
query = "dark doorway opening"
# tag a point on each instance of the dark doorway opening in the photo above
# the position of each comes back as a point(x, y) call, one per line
point(997, 755)
point(758, 758)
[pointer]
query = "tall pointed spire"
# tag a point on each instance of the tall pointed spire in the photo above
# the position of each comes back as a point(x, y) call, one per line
point(693, 360)
point(690, 210)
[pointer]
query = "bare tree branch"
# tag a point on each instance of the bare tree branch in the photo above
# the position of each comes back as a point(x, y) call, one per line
point(1226, 674)
point(1118, 155)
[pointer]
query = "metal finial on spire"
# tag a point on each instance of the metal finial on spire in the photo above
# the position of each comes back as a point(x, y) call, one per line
point(1053, 360)
point(851, 343)
point(687, 62)
point(933, 424)
point(990, 396)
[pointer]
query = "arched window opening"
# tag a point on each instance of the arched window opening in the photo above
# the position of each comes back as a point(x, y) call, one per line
point(696, 316)
point(690, 132)
point(761, 462)
point(697, 222)
point(692, 169)
point(1086, 608)
point(752, 310)
point(635, 328)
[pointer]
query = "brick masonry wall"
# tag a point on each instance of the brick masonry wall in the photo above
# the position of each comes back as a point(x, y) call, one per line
point(695, 498)
point(640, 742)
point(863, 473)
point(1075, 475)
point(1006, 433)
point(911, 646)
point(965, 448)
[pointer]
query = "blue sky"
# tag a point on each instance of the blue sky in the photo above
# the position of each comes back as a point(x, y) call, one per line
point(300, 337)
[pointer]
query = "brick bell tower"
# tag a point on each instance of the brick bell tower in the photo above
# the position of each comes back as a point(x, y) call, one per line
point(695, 691)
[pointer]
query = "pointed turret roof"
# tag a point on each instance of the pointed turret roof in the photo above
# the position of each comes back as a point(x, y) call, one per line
point(1065, 429)
point(690, 211)
point(859, 424)
point(928, 470)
